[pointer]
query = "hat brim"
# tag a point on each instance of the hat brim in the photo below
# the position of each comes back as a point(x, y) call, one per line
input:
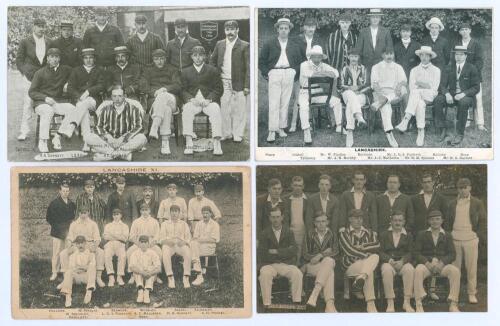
point(276, 25)
point(324, 56)
point(460, 51)
point(428, 25)
point(375, 14)
point(432, 53)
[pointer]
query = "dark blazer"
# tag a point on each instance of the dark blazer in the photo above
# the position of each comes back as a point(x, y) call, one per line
point(469, 80)
point(477, 216)
point(263, 210)
point(301, 39)
point(332, 211)
point(270, 53)
point(287, 248)
point(384, 210)
point(368, 205)
point(442, 49)
point(26, 61)
point(179, 55)
point(126, 202)
point(49, 83)
point(103, 42)
point(369, 55)
point(71, 50)
point(128, 78)
point(425, 249)
point(80, 81)
point(475, 55)
point(154, 78)
point(240, 63)
point(404, 250)
point(438, 202)
point(312, 246)
point(153, 206)
point(59, 216)
point(207, 81)
point(406, 57)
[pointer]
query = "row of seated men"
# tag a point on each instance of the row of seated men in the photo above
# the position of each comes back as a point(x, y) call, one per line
point(303, 234)
point(369, 68)
point(173, 78)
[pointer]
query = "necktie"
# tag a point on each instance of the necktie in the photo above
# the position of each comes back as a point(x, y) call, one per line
point(459, 70)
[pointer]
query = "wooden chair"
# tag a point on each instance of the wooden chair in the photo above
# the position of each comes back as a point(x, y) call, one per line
point(147, 102)
point(206, 266)
point(321, 91)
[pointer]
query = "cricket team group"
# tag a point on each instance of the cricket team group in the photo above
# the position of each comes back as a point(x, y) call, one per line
point(117, 82)
point(142, 235)
point(370, 69)
point(391, 234)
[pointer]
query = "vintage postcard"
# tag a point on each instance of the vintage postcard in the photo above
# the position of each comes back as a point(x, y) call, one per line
point(126, 83)
point(372, 238)
point(374, 83)
point(131, 242)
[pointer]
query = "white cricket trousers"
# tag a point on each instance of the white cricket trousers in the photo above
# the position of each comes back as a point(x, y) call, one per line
point(99, 145)
point(407, 272)
point(365, 266)
point(183, 251)
point(214, 115)
point(299, 233)
point(468, 251)
point(417, 101)
point(99, 258)
point(200, 249)
point(83, 108)
point(46, 113)
point(450, 271)
point(115, 248)
point(353, 103)
point(146, 283)
point(234, 110)
point(280, 90)
point(27, 107)
point(304, 112)
point(269, 272)
point(386, 110)
point(57, 246)
point(324, 276)
point(162, 109)
point(71, 277)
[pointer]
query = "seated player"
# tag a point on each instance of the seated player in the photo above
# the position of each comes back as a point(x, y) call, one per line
point(175, 238)
point(277, 255)
point(201, 92)
point(320, 248)
point(119, 129)
point(124, 73)
point(145, 266)
point(206, 235)
point(396, 249)
point(116, 235)
point(435, 254)
point(81, 269)
point(359, 248)
point(197, 203)
point(172, 199)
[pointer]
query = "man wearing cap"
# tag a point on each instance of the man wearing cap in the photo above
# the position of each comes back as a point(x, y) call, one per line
point(439, 44)
point(353, 86)
point(404, 50)
point(69, 45)
point(179, 49)
point(124, 200)
point(314, 67)
point(389, 84)
point(60, 214)
point(232, 57)
point(96, 205)
point(46, 91)
point(279, 63)
point(475, 56)
point(393, 199)
point(463, 85)
point(434, 254)
point(423, 84)
point(162, 83)
point(145, 266)
point(426, 201)
point(124, 73)
point(148, 198)
point(201, 92)
point(118, 130)
point(373, 41)
point(84, 226)
point(359, 247)
point(467, 223)
point(31, 56)
point(103, 37)
point(194, 213)
point(340, 43)
point(116, 236)
point(143, 43)
point(172, 199)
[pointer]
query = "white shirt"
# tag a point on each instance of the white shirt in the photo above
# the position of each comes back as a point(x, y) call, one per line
point(226, 64)
point(358, 197)
point(88, 69)
point(324, 202)
point(297, 211)
point(123, 67)
point(87, 228)
point(309, 45)
point(198, 68)
point(388, 75)
point(142, 36)
point(283, 59)
point(308, 68)
point(145, 226)
point(181, 40)
point(79, 262)
point(374, 32)
point(207, 230)
point(392, 198)
point(462, 227)
point(434, 38)
point(195, 206)
point(271, 202)
point(427, 198)
point(460, 67)
point(116, 231)
point(164, 209)
point(101, 28)
point(436, 237)
point(321, 237)
point(429, 74)
point(466, 43)
point(40, 47)
point(396, 236)
point(406, 42)
point(145, 260)
point(173, 231)
point(277, 234)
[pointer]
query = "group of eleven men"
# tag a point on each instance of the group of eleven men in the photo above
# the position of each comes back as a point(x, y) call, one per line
point(415, 237)
point(143, 235)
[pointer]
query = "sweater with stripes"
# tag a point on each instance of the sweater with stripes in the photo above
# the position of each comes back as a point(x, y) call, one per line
point(357, 246)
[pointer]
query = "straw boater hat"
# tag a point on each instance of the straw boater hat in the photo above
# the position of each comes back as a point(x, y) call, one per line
point(375, 12)
point(88, 51)
point(460, 48)
point(316, 50)
point(283, 21)
point(426, 50)
point(121, 49)
point(434, 20)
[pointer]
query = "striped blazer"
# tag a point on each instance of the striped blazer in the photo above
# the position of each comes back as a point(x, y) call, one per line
point(350, 75)
point(338, 47)
point(329, 247)
point(350, 242)
point(129, 122)
point(142, 52)
point(97, 208)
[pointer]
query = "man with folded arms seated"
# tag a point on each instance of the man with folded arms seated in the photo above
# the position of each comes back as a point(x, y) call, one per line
point(359, 248)
point(81, 269)
point(320, 247)
point(396, 248)
point(145, 266)
point(116, 235)
point(424, 84)
point(277, 255)
point(435, 254)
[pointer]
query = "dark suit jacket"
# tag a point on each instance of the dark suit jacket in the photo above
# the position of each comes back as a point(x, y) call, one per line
point(103, 42)
point(154, 78)
point(369, 55)
point(287, 248)
point(80, 81)
point(49, 83)
point(438, 202)
point(425, 249)
point(126, 202)
point(128, 78)
point(402, 203)
point(263, 210)
point(442, 49)
point(26, 61)
point(153, 206)
point(469, 80)
point(240, 63)
point(332, 208)
point(406, 57)
point(477, 216)
point(208, 81)
point(404, 250)
point(179, 55)
point(270, 53)
point(301, 39)
point(475, 55)
point(59, 216)
point(368, 205)
point(70, 50)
